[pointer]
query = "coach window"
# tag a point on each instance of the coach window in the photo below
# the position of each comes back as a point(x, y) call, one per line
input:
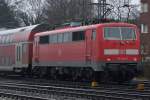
point(7, 41)
point(3, 39)
point(77, 36)
point(44, 39)
point(10, 38)
point(60, 38)
point(0, 40)
point(24, 47)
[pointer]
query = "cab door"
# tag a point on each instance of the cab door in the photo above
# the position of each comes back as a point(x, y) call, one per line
point(88, 55)
point(18, 54)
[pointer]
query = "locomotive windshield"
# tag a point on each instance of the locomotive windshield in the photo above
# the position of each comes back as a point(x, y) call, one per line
point(119, 33)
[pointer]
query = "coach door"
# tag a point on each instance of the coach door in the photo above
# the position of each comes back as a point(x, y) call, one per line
point(18, 54)
point(88, 46)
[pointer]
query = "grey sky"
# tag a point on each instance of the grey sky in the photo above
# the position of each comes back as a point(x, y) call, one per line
point(136, 1)
point(133, 1)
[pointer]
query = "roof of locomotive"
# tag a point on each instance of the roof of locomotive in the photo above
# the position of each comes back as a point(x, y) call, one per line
point(82, 28)
point(21, 34)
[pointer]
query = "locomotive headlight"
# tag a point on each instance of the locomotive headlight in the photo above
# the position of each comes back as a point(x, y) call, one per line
point(108, 59)
point(135, 59)
point(132, 52)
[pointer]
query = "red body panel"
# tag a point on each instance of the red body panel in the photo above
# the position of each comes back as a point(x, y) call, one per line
point(7, 55)
point(59, 52)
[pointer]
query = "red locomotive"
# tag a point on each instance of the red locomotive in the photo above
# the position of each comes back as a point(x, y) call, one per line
point(107, 51)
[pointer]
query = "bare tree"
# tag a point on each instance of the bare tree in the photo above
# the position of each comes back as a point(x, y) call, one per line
point(58, 11)
point(28, 12)
point(124, 10)
point(7, 16)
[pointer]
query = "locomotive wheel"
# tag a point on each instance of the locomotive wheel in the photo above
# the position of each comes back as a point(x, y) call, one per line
point(107, 77)
point(125, 75)
point(53, 73)
point(39, 72)
point(102, 77)
point(87, 77)
point(121, 76)
point(130, 74)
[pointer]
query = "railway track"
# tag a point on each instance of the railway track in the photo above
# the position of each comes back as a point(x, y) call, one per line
point(44, 92)
point(125, 87)
point(15, 96)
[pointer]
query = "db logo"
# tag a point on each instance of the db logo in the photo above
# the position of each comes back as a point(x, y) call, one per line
point(122, 51)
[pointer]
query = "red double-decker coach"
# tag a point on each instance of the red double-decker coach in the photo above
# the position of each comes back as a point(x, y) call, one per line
point(16, 47)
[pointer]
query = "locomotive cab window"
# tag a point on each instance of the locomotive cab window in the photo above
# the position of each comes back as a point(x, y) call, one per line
point(128, 34)
point(44, 39)
point(78, 36)
point(112, 34)
point(119, 33)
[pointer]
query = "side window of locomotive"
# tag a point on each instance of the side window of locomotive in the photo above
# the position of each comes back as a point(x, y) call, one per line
point(53, 38)
point(93, 34)
point(67, 37)
point(44, 39)
point(60, 38)
point(78, 36)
